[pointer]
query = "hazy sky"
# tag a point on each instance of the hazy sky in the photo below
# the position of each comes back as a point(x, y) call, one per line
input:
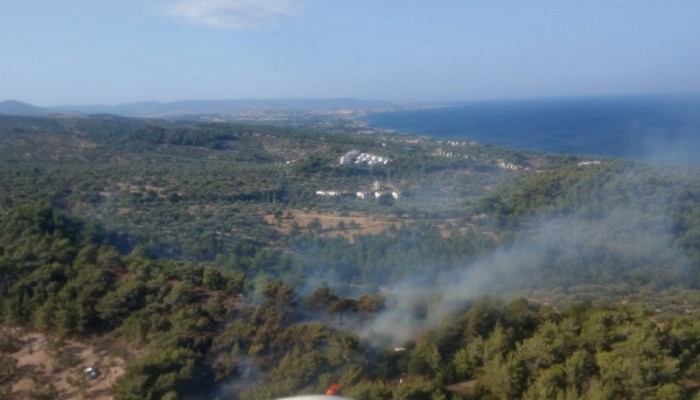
point(115, 51)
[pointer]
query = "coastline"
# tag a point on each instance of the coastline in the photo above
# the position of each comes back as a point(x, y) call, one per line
point(649, 129)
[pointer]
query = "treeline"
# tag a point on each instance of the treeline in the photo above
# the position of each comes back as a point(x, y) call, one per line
point(56, 279)
point(491, 350)
point(397, 253)
point(197, 327)
point(191, 324)
point(198, 137)
point(170, 187)
point(592, 190)
point(193, 200)
point(643, 211)
point(500, 350)
point(193, 327)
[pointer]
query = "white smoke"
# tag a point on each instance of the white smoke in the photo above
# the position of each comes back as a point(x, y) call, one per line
point(588, 248)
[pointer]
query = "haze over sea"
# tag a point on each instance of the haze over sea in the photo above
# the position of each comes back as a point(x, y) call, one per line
point(662, 129)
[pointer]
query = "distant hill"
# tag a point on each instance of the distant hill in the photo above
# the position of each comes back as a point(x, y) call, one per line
point(13, 107)
point(195, 107)
point(198, 107)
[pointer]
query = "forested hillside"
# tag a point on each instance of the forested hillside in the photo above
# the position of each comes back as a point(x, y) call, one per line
point(212, 260)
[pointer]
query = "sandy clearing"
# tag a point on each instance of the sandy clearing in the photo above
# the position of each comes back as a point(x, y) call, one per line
point(329, 222)
point(37, 363)
point(368, 224)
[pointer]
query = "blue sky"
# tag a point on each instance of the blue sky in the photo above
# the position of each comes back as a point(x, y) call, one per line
point(57, 52)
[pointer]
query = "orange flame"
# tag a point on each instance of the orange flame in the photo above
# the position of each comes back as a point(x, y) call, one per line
point(333, 390)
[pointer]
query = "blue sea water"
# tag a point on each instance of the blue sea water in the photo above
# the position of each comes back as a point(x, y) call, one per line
point(663, 129)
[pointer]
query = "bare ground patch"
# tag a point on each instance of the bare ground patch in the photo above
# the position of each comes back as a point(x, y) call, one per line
point(332, 224)
point(42, 360)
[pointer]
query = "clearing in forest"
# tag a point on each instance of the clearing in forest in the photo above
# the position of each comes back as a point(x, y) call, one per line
point(332, 224)
point(48, 366)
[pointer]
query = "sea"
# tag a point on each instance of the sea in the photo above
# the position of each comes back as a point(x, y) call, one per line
point(657, 129)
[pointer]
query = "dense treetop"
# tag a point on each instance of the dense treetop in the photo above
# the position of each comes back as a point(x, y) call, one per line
point(206, 251)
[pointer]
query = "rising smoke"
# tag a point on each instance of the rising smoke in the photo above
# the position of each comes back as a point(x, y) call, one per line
point(626, 245)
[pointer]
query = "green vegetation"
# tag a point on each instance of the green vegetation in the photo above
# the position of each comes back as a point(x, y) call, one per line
point(204, 250)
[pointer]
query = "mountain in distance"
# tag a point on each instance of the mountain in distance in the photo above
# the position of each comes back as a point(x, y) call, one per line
point(13, 107)
point(197, 107)
point(200, 107)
